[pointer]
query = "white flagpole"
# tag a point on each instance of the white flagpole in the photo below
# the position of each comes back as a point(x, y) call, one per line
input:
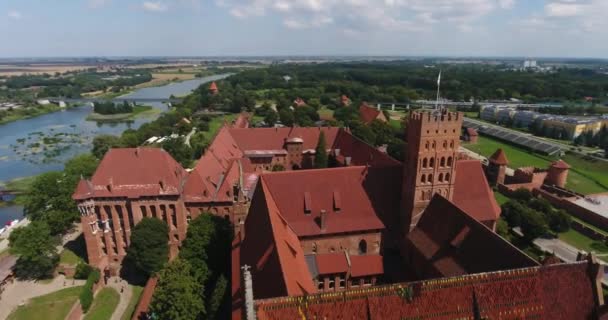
point(438, 85)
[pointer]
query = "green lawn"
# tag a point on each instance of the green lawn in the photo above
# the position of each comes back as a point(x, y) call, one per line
point(104, 304)
point(53, 306)
point(582, 177)
point(67, 256)
point(500, 198)
point(216, 123)
point(137, 290)
point(325, 113)
point(582, 242)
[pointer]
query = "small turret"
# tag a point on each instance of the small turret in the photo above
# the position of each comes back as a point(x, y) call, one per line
point(497, 167)
point(558, 174)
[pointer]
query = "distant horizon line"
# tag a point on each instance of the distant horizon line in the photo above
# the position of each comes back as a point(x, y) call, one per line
point(302, 56)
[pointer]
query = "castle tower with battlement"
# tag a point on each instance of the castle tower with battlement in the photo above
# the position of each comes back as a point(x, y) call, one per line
point(433, 140)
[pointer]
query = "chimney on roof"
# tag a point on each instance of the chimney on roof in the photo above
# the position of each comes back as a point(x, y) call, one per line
point(248, 285)
point(347, 161)
point(323, 220)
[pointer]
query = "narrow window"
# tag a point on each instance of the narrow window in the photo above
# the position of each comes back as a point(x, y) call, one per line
point(432, 163)
point(424, 163)
point(362, 247)
point(431, 178)
point(440, 177)
point(443, 161)
point(447, 177)
point(449, 161)
point(307, 203)
point(423, 179)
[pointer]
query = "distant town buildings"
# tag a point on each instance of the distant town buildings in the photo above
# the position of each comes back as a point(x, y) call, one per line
point(565, 127)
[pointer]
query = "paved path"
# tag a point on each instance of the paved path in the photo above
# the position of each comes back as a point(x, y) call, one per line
point(125, 296)
point(187, 141)
point(19, 292)
point(561, 249)
point(4, 242)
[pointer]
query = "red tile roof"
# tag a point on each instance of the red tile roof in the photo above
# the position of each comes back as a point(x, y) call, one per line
point(472, 132)
point(134, 172)
point(472, 192)
point(366, 265)
point(499, 158)
point(275, 138)
point(557, 292)
point(357, 213)
point(331, 263)
point(560, 164)
point(368, 114)
point(360, 152)
point(213, 86)
point(273, 250)
point(451, 242)
point(242, 121)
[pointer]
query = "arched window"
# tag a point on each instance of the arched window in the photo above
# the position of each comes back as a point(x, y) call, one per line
point(445, 144)
point(447, 177)
point(423, 178)
point(362, 247)
point(430, 178)
point(314, 247)
point(426, 146)
point(440, 177)
point(432, 163)
point(428, 195)
point(434, 144)
point(449, 161)
point(424, 163)
point(452, 145)
point(443, 161)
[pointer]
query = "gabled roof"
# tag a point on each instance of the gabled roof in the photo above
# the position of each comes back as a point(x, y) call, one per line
point(133, 172)
point(368, 114)
point(275, 138)
point(499, 158)
point(301, 195)
point(454, 243)
point(472, 192)
point(560, 164)
point(360, 152)
point(213, 86)
point(273, 250)
point(557, 292)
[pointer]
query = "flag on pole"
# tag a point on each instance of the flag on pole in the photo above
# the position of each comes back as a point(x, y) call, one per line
point(439, 78)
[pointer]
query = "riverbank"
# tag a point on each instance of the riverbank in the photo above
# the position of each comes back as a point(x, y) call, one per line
point(31, 112)
point(21, 187)
point(138, 111)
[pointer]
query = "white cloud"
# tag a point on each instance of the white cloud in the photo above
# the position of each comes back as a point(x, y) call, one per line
point(358, 15)
point(564, 9)
point(154, 6)
point(15, 15)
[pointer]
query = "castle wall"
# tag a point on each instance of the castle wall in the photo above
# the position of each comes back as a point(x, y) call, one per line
point(341, 243)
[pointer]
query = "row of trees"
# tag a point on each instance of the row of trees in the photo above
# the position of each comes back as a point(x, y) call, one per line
point(194, 285)
point(536, 216)
point(401, 81)
point(52, 212)
point(109, 107)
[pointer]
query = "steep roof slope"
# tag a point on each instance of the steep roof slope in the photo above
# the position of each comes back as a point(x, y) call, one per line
point(134, 172)
point(452, 242)
point(557, 292)
point(274, 138)
point(499, 157)
point(360, 152)
point(472, 192)
point(368, 114)
point(301, 195)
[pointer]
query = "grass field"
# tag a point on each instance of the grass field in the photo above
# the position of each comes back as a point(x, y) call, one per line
point(500, 198)
point(325, 113)
point(216, 123)
point(137, 290)
point(582, 242)
point(53, 306)
point(67, 256)
point(104, 304)
point(582, 177)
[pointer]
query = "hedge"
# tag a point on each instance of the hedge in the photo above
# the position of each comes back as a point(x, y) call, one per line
point(86, 295)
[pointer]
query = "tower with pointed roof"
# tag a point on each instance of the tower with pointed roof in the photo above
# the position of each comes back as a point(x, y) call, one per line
point(433, 141)
point(213, 90)
point(497, 168)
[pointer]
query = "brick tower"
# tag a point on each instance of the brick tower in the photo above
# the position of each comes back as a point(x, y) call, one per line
point(558, 173)
point(433, 139)
point(497, 168)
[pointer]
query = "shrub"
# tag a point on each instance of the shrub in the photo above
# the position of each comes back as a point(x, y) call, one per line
point(86, 295)
point(83, 271)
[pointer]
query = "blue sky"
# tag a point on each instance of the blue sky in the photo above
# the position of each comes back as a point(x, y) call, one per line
point(558, 28)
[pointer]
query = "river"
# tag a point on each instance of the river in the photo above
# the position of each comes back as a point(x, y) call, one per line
point(23, 151)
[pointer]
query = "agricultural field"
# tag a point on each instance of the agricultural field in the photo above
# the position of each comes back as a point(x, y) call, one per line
point(585, 176)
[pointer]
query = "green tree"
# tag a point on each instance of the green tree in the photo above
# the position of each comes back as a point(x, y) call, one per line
point(180, 151)
point(533, 225)
point(81, 165)
point(207, 245)
point(521, 194)
point(35, 248)
point(103, 143)
point(286, 116)
point(177, 293)
point(217, 299)
point(502, 228)
point(271, 118)
point(51, 192)
point(321, 152)
point(149, 248)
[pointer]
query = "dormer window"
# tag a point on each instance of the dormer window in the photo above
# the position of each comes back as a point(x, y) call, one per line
point(307, 203)
point(337, 201)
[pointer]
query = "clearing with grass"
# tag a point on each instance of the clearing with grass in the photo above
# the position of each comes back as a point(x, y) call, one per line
point(53, 306)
